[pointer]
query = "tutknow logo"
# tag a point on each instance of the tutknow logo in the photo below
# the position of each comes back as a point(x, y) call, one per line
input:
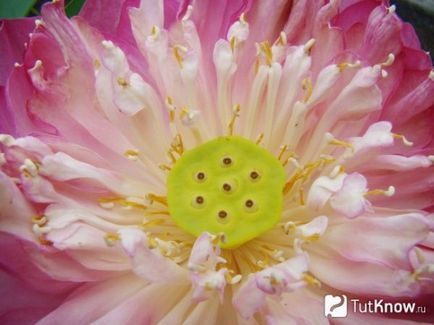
point(337, 306)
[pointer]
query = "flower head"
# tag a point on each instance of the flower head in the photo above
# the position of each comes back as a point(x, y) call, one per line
point(214, 161)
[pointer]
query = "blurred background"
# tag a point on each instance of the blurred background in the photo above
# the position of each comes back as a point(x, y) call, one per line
point(420, 13)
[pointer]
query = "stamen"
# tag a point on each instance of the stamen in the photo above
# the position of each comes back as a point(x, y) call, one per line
point(156, 198)
point(155, 31)
point(259, 138)
point(282, 39)
point(389, 192)
point(29, 168)
point(307, 85)
point(341, 143)
point(39, 220)
point(391, 9)
point(301, 196)
point(283, 149)
point(111, 239)
point(404, 139)
point(308, 46)
point(177, 51)
point(165, 167)
point(342, 66)
point(305, 173)
point(235, 114)
point(123, 82)
point(309, 279)
point(178, 145)
point(266, 49)
point(337, 170)
point(131, 202)
point(96, 64)
point(188, 13)
point(132, 154)
point(243, 18)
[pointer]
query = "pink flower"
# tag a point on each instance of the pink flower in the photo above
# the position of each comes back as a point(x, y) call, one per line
point(214, 162)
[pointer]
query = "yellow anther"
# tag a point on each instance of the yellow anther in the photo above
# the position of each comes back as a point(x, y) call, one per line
point(235, 114)
point(165, 167)
point(129, 202)
point(301, 196)
point(148, 223)
point(177, 51)
point(308, 46)
point(39, 220)
point(266, 49)
point(156, 198)
point(304, 173)
point(122, 82)
point(155, 31)
point(336, 142)
point(184, 112)
point(132, 154)
point(233, 43)
point(171, 108)
point(307, 85)
point(404, 139)
point(111, 238)
point(152, 243)
point(309, 279)
point(259, 138)
point(289, 227)
point(171, 155)
point(389, 192)
point(178, 145)
point(283, 149)
point(96, 64)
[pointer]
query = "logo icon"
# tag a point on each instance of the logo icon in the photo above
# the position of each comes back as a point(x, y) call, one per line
point(335, 306)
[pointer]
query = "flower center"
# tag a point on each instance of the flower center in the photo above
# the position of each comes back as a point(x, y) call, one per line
point(228, 186)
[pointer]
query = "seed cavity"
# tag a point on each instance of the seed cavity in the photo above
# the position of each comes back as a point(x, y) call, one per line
point(250, 206)
point(222, 214)
point(198, 202)
point(200, 177)
point(227, 187)
point(254, 176)
point(249, 203)
point(227, 161)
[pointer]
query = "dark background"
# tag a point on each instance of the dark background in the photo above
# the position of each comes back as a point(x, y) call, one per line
point(420, 13)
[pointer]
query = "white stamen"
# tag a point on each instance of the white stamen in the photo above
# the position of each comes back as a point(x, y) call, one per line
point(336, 171)
point(431, 75)
point(390, 191)
point(308, 46)
point(237, 278)
point(30, 167)
point(40, 230)
point(188, 13)
point(389, 61)
point(7, 139)
point(2, 158)
point(391, 9)
point(107, 205)
point(39, 23)
point(18, 65)
point(384, 73)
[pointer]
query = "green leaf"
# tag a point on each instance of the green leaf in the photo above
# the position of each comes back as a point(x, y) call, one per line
point(15, 8)
point(73, 7)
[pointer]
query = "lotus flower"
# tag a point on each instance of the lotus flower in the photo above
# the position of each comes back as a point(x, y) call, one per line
point(214, 162)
